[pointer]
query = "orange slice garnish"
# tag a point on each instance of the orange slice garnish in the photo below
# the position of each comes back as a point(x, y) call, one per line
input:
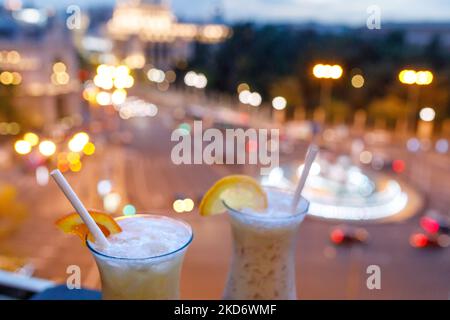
point(237, 191)
point(73, 224)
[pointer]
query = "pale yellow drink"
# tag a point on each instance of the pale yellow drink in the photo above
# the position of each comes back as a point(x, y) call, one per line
point(263, 256)
point(143, 262)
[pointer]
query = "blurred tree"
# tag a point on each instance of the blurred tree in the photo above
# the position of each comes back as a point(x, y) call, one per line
point(264, 56)
point(289, 88)
point(389, 108)
point(7, 110)
point(337, 111)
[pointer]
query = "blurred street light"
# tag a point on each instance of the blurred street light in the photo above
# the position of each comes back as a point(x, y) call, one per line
point(425, 126)
point(252, 98)
point(109, 77)
point(197, 80)
point(326, 72)
point(156, 75)
point(78, 142)
point(6, 78)
point(59, 67)
point(22, 147)
point(183, 205)
point(427, 114)
point(244, 96)
point(255, 99)
point(119, 96)
point(60, 77)
point(358, 81)
point(103, 98)
point(42, 175)
point(242, 87)
point(89, 149)
point(47, 148)
point(414, 79)
point(31, 138)
point(10, 78)
point(279, 103)
point(409, 77)
point(103, 82)
point(111, 202)
point(104, 187)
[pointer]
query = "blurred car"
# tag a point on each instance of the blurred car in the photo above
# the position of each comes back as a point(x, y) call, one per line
point(343, 235)
point(425, 240)
point(435, 223)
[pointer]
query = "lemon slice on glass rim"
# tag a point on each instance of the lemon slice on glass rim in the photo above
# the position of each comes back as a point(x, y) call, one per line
point(237, 191)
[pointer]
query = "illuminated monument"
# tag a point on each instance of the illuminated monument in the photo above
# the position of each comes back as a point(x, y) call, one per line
point(149, 28)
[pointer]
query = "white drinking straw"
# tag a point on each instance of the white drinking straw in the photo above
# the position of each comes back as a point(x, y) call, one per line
point(79, 208)
point(309, 159)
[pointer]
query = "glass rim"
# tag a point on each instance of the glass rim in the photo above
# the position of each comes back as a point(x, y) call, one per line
point(141, 215)
point(301, 212)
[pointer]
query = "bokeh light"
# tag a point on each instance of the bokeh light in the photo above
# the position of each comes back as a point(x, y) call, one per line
point(31, 138)
point(178, 206)
point(365, 157)
point(427, 114)
point(442, 146)
point(413, 145)
point(42, 175)
point(111, 202)
point(104, 187)
point(243, 86)
point(119, 96)
point(188, 205)
point(358, 81)
point(89, 149)
point(47, 148)
point(279, 103)
point(78, 142)
point(129, 210)
point(104, 98)
point(22, 147)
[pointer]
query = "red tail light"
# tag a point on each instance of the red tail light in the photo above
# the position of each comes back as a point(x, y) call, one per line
point(337, 236)
point(398, 166)
point(430, 225)
point(418, 240)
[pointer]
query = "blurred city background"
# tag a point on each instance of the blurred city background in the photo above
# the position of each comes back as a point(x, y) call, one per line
point(97, 89)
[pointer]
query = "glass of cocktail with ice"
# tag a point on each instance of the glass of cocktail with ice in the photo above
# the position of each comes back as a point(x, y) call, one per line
point(263, 252)
point(264, 225)
point(143, 262)
point(139, 256)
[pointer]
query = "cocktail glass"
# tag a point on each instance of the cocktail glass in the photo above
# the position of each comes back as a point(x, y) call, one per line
point(263, 252)
point(149, 278)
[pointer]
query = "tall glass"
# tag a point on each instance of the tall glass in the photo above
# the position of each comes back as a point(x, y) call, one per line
point(150, 278)
point(263, 251)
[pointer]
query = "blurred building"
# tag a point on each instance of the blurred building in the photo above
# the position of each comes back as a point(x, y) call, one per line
point(38, 60)
point(148, 29)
